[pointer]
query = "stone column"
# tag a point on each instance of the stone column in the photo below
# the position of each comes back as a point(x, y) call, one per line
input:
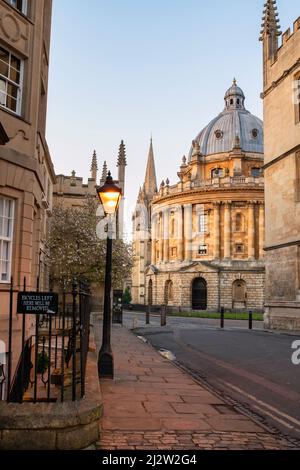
point(227, 230)
point(166, 231)
point(161, 237)
point(216, 230)
point(251, 230)
point(261, 229)
point(153, 240)
point(188, 231)
point(179, 234)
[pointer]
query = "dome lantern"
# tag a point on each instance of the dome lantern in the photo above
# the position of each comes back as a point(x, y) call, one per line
point(234, 97)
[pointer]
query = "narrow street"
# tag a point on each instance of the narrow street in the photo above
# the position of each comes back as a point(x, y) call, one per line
point(252, 368)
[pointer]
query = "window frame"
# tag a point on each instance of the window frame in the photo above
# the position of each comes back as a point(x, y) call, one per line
point(203, 223)
point(23, 10)
point(9, 240)
point(203, 250)
point(7, 80)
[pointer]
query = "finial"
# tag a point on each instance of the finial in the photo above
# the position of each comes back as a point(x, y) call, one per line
point(104, 173)
point(184, 160)
point(109, 178)
point(270, 22)
point(122, 155)
point(167, 182)
point(94, 166)
point(162, 184)
point(73, 178)
point(234, 82)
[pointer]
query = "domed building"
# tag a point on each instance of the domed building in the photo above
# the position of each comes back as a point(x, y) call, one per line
point(202, 247)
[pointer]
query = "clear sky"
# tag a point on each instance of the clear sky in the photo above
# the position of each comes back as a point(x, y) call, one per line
point(123, 69)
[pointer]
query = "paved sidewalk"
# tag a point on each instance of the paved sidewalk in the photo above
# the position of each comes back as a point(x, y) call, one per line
point(152, 404)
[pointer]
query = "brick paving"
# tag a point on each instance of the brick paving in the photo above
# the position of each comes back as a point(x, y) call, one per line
point(153, 405)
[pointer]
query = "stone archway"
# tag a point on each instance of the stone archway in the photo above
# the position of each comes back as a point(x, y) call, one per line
point(199, 294)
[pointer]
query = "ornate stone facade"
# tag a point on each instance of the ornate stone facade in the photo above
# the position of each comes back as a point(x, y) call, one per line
point(282, 170)
point(199, 244)
point(26, 171)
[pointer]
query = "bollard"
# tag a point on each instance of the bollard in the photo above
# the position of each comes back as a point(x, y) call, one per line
point(222, 317)
point(250, 320)
point(163, 315)
point(148, 315)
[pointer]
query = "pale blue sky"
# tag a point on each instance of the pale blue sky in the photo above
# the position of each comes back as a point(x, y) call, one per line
point(121, 69)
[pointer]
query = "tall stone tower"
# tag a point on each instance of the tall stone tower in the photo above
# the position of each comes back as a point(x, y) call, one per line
point(142, 230)
point(281, 97)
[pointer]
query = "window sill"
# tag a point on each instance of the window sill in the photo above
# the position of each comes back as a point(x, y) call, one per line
point(17, 116)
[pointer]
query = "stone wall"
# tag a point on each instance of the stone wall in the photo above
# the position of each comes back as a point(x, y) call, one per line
point(219, 289)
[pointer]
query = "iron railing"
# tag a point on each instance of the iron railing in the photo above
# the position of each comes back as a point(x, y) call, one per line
point(53, 350)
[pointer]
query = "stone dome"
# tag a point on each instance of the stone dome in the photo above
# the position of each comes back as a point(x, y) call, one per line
point(220, 135)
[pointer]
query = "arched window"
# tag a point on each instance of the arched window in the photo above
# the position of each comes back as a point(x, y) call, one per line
point(239, 291)
point(239, 222)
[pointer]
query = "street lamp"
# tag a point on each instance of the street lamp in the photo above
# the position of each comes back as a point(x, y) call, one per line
point(109, 195)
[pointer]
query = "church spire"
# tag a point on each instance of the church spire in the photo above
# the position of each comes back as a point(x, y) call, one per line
point(150, 177)
point(270, 29)
point(94, 166)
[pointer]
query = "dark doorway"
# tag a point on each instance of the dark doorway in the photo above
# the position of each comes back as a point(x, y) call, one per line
point(199, 294)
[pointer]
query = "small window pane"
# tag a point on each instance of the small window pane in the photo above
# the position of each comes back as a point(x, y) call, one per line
point(14, 75)
point(12, 90)
point(3, 68)
point(2, 97)
point(11, 103)
point(4, 56)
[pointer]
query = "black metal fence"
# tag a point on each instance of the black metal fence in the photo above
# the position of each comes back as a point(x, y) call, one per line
point(52, 350)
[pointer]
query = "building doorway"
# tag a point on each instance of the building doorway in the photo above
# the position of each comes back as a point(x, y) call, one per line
point(199, 294)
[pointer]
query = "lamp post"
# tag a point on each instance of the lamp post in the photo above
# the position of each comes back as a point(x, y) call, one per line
point(109, 195)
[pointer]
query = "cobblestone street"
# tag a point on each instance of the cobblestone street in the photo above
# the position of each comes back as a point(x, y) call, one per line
point(151, 404)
